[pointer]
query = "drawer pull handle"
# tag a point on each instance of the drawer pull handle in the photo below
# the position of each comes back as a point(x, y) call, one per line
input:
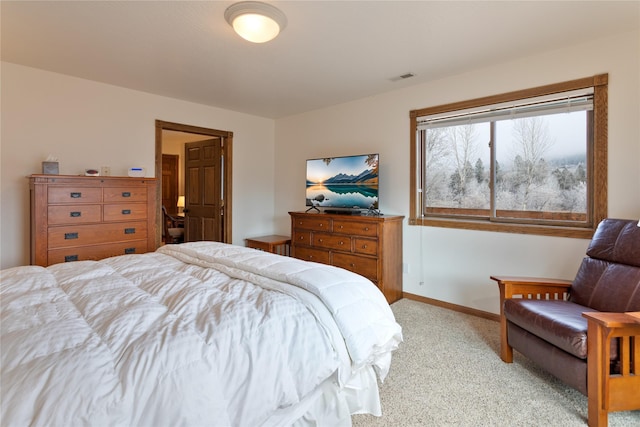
point(75, 214)
point(366, 229)
point(126, 194)
point(129, 231)
point(352, 265)
point(364, 246)
point(128, 251)
point(76, 195)
point(341, 242)
point(126, 211)
point(69, 258)
point(301, 238)
point(70, 236)
point(320, 240)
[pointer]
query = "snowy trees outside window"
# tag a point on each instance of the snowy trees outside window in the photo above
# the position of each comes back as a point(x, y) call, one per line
point(541, 165)
point(535, 160)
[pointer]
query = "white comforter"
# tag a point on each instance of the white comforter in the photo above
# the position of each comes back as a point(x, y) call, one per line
point(195, 334)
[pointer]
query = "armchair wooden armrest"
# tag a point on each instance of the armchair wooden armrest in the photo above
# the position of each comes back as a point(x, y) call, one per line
point(607, 392)
point(525, 287)
point(531, 287)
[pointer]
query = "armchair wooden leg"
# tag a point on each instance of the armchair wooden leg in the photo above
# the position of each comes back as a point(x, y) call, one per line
point(506, 351)
point(607, 392)
point(597, 357)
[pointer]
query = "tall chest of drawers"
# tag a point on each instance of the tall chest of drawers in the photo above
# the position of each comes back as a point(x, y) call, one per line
point(368, 245)
point(77, 218)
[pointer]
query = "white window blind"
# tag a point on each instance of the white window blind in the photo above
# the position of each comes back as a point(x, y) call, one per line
point(577, 100)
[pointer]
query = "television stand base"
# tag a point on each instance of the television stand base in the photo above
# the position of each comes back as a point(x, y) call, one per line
point(343, 211)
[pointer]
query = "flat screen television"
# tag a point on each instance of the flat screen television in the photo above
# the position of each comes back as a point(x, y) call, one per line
point(348, 183)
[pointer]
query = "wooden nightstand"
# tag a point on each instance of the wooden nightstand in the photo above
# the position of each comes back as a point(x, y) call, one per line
point(280, 245)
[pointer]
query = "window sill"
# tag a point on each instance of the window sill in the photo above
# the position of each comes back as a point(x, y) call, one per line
point(502, 227)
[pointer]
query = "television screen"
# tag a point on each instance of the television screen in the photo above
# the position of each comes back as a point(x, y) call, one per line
point(349, 182)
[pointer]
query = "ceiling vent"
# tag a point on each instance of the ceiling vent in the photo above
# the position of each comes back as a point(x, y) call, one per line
point(402, 77)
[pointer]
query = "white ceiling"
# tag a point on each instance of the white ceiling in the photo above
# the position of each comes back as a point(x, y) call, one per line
point(330, 52)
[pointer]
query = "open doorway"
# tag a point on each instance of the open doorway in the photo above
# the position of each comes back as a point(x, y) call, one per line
point(202, 170)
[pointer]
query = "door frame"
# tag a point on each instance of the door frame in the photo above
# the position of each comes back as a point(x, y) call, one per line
point(227, 144)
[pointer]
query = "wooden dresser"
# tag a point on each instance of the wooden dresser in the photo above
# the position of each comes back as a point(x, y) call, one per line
point(368, 245)
point(89, 218)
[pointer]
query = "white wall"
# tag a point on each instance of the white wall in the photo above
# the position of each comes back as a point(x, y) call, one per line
point(454, 265)
point(88, 124)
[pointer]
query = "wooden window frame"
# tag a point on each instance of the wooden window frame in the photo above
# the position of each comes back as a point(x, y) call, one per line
point(597, 164)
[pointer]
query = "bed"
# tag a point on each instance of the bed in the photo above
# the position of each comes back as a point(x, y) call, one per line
point(200, 333)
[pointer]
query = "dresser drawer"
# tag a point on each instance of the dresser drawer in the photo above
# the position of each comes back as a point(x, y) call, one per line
point(56, 195)
point(312, 223)
point(365, 246)
point(367, 267)
point(73, 214)
point(301, 237)
point(96, 252)
point(310, 254)
point(332, 241)
point(125, 211)
point(80, 235)
point(355, 228)
point(125, 194)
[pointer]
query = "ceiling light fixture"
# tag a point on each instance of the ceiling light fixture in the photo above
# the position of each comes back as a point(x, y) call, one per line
point(255, 21)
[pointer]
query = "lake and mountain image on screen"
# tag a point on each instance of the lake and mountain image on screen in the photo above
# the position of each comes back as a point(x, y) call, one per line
point(343, 182)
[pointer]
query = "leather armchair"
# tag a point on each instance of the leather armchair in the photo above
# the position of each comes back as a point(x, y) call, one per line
point(578, 330)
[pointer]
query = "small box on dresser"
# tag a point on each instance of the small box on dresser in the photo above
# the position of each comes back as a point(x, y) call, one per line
point(77, 218)
point(368, 245)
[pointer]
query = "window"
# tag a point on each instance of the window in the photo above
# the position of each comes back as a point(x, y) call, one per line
point(532, 161)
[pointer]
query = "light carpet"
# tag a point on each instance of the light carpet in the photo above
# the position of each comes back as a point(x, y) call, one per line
point(448, 372)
